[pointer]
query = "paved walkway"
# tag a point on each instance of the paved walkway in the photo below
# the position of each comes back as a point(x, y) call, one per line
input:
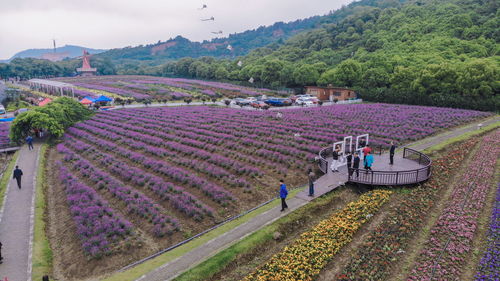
point(323, 185)
point(16, 219)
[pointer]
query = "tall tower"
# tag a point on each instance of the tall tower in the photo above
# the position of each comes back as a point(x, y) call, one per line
point(86, 70)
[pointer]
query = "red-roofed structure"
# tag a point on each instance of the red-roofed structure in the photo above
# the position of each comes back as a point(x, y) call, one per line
point(44, 102)
point(86, 69)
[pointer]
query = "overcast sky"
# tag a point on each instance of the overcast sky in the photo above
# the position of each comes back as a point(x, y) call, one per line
point(105, 24)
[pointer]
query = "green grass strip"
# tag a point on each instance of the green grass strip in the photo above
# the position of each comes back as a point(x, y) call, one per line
point(42, 253)
point(6, 177)
point(139, 270)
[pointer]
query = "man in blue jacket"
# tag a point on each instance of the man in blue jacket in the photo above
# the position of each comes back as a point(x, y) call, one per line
point(283, 194)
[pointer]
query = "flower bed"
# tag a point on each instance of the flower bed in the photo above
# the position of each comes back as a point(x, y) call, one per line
point(4, 134)
point(490, 261)
point(448, 246)
point(305, 257)
point(159, 88)
point(99, 228)
point(375, 256)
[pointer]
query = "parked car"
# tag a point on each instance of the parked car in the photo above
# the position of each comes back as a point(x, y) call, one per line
point(304, 101)
point(259, 104)
point(278, 101)
point(241, 102)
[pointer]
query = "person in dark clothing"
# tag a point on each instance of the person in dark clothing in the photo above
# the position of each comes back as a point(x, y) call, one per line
point(348, 158)
point(17, 175)
point(1, 258)
point(335, 161)
point(310, 175)
point(392, 150)
point(283, 194)
point(355, 163)
point(29, 140)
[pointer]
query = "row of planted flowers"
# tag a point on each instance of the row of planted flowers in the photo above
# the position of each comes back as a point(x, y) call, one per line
point(134, 201)
point(177, 197)
point(448, 247)
point(489, 266)
point(99, 227)
point(376, 257)
point(211, 190)
point(304, 258)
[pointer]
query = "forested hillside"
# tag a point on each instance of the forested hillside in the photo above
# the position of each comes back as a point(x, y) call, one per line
point(442, 53)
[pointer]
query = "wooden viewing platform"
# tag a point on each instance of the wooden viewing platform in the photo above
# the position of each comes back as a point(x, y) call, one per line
point(410, 167)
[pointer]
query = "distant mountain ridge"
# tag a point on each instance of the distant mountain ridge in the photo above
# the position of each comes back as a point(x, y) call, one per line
point(67, 51)
point(236, 44)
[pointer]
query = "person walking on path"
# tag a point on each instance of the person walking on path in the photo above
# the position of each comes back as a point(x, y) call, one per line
point(29, 140)
point(283, 195)
point(392, 150)
point(310, 175)
point(368, 162)
point(335, 162)
point(18, 173)
point(1, 258)
point(355, 164)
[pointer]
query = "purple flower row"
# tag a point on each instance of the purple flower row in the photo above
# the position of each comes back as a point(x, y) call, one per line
point(489, 266)
point(135, 202)
point(4, 134)
point(445, 253)
point(213, 191)
point(177, 196)
point(98, 226)
point(156, 135)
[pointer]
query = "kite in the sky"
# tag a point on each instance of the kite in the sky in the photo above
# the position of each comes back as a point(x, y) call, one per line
point(217, 32)
point(204, 7)
point(229, 47)
point(210, 19)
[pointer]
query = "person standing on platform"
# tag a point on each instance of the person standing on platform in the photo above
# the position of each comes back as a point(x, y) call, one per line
point(366, 150)
point(368, 162)
point(29, 140)
point(283, 195)
point(392, 151)
point(18, 173)
point(335, 161)
point(310, 175)
point(348, 158)
point(355, 164)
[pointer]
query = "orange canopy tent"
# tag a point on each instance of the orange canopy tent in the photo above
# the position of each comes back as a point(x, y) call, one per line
point(86, 101)
point(44, 102)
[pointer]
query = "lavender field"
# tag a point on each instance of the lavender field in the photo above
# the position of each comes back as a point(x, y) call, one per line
point(160, 173)
point(4, 134)
point(160, 89)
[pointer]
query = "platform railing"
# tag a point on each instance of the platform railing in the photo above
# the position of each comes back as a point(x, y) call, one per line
point(322, 162)
point(395, 177)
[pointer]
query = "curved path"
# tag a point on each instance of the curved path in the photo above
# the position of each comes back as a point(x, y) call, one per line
point(323, 185)
point(16, 219)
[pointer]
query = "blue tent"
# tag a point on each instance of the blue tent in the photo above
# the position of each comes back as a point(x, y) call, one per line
point(103, 99)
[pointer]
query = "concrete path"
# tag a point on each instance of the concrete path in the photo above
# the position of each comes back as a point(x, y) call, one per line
point(324, 184)
point(16, 219)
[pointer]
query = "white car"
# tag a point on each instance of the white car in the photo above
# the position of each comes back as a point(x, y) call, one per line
point(304, 101)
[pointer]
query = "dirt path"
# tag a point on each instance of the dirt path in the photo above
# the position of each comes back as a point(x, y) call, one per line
point(16, 220)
